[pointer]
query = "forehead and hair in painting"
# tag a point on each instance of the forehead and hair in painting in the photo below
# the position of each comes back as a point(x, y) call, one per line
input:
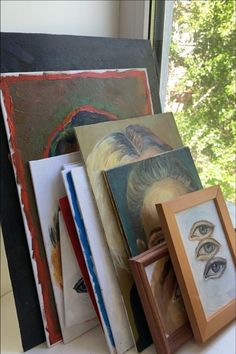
point(119, 143)
point(137, 187)
point(40, 110)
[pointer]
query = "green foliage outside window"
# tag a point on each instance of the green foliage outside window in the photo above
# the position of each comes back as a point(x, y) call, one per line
point(206, 89)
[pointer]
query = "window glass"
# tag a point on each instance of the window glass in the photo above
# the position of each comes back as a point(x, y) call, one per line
point(201, 86)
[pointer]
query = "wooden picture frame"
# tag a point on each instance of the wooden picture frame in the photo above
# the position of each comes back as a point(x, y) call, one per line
point(140, 265)
point(207, 281)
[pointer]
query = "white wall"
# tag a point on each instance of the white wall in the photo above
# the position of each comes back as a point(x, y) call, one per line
point(89, 18)
point(134, 19)
point(108, 18)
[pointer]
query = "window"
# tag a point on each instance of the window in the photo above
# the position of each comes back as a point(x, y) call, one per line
point(201, 84)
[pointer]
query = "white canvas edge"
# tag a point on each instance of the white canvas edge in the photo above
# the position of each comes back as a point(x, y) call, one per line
point(72, 305)
point(38, 73)
point(103, 263)
point(27, 231)
point(75, 331)
point(110, 346)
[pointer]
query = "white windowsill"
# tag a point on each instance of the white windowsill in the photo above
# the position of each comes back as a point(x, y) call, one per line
point(93, 342)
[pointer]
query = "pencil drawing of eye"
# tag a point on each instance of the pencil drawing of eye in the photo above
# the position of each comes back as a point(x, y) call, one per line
point(215, 267)
point(206, 249)
point(201, 229)
point(80, 286)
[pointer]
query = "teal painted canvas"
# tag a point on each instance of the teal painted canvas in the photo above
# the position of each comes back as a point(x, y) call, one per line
point(137, 187)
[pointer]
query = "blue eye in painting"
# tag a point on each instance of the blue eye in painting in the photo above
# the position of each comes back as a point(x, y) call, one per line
point(206, 249)
point(201, 229)
point(215, 267)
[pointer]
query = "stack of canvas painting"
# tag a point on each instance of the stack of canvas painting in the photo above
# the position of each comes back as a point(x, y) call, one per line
point(38, 126)
point(120, 231)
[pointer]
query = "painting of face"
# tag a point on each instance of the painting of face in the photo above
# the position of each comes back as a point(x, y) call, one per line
point(137, 187)
point(166, 294)
point(112, 145)
point(119, 143)
point(159, 191)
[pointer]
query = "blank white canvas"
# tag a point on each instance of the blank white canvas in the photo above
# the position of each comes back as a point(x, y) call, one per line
point(49, 188)
point(78, 306)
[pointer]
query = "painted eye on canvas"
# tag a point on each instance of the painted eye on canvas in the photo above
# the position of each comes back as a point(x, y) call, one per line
point(206, 249)
point(201, 229)
point(215, 267)
point(156, 237)
point(176, 294)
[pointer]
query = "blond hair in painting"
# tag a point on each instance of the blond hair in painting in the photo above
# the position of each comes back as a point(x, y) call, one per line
point(134, 143)
point(150, 182)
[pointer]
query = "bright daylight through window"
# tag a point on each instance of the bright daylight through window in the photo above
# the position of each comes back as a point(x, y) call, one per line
point(201, 87)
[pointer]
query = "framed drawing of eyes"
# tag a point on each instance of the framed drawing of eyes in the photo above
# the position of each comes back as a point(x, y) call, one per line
point(161, 299)
point(202, 246)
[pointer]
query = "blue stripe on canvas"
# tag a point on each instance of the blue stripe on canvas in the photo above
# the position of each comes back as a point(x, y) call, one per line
point(88, 255)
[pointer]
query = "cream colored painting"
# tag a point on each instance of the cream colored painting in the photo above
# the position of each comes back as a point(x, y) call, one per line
point(112, 144)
